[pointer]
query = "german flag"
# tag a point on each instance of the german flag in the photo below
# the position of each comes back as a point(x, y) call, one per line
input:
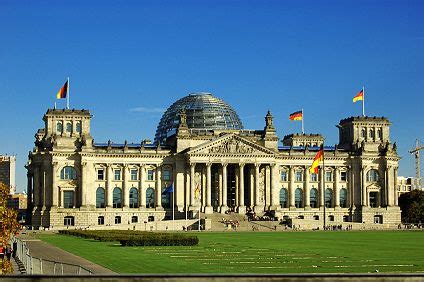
point(318, 158)
point(296, 115)
point(63, 91)
point(359, 96)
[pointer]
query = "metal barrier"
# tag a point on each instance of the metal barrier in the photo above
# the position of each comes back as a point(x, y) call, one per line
point(34, 265)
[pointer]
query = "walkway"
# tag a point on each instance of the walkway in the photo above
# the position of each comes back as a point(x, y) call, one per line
point(40, 249)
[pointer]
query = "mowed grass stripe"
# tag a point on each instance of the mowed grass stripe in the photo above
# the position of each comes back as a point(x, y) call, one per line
point(255, 252)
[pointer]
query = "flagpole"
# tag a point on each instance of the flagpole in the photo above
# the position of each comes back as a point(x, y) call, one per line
point(363, 101)
point(67, 96)
point(323, 182)
point(303, 128)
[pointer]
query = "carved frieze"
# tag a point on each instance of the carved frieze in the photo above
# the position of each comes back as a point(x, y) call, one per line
point(231, 146)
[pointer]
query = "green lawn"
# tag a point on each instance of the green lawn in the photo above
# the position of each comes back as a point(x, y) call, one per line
point(254, 252)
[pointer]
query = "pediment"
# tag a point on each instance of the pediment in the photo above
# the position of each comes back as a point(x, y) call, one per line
point(373, 187)
point(230, 144)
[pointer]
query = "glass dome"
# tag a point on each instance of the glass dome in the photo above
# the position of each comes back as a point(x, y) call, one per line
point(203, 110)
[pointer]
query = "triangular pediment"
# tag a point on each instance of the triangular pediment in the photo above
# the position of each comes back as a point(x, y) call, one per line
point(230, 144)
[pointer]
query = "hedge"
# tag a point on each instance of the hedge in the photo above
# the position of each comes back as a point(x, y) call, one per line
point(136, 238)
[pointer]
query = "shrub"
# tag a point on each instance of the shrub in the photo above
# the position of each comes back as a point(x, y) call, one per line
point(135, 238)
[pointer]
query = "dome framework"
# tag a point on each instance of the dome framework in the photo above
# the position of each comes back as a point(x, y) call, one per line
point(203, 110)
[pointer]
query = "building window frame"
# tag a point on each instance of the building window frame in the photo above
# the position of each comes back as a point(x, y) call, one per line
point(117, 173)
point(100, 174)
point(101, 220)
point(150, 175)
point(283, 175)
point(134, 174)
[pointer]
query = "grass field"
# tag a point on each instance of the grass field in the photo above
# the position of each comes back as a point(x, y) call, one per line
point(254, 252)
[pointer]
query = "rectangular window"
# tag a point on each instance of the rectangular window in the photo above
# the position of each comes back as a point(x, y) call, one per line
point(134, 174)
point(314, 177)
point(299, 175)
point(343, 176)
point(100, 174)
point(150, 174)
point(68, 199)
point(117, 220)
point(283, 175)
point(117, 174)
point(166, 175)
point(328, 176)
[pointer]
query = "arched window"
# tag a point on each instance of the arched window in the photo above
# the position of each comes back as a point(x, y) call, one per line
point(372, 175)
point(78, 127)
point(343, 198)
point(117, 198)
point(150, 198)
point(101, 220)
point(379, 135)
point(59, 127)
point(314, 198)
point(68, 173)
point(283, 198)
point(363, 133)
point(133, 198)
point(328, 198)
point(298, 198)
point(166, 198)
point(100, 197)
point(371, 133)
point(69, 127)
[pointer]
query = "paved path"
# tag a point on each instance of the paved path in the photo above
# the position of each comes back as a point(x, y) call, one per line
point(45, 251)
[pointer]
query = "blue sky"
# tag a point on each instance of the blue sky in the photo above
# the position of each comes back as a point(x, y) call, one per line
point(255, 55)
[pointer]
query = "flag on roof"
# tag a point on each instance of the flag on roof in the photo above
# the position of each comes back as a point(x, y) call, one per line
point(359, 96)
point(63, 91)
point(296, 115)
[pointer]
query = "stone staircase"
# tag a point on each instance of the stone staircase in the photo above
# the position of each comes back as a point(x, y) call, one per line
point(218, 223)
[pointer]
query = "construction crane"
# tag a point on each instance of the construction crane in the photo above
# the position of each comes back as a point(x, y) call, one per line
point(416, 152)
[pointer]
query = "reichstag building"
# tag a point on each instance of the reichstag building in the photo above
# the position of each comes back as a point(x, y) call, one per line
point(215, 166)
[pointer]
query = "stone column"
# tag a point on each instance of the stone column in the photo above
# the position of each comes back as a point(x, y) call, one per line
point(395, 175)
point(336, 188)
point(224, 206)
point(55, 188)
point(258, 206)
point(363, 189)
point(158, 188)
point(321, 188)
point(291, 188)
point(241, 205)
point(208, 208)
point(30, 201)
point(350, 188)
point(252, 186)
point(125, 188)
point(220, 188)
point(142, 190)
point(82, 185)
point(192, 185)
point(236, 172)
point(274, 187)
point(306, 189)
point(109, 188)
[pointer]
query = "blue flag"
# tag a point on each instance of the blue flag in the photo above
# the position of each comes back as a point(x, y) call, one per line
point(170, 189)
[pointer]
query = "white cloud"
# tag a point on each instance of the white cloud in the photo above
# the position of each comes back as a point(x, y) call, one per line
point(147, 110)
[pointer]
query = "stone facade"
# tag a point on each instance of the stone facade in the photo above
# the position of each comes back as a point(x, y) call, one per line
point(74, 181)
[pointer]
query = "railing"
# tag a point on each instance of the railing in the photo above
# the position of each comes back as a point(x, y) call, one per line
point(34, 265)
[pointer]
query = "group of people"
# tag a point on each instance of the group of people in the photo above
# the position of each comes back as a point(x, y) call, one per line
point(233, 223)
point(338, 227)
point(6, 252)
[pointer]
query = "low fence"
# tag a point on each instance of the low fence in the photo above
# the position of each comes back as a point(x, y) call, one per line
point(34, 265)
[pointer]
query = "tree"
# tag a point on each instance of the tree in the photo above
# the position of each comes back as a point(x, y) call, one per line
point(8, 225)
point(412, 206)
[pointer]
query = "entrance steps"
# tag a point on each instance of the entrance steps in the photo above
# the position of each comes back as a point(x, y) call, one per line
point(223, 222)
